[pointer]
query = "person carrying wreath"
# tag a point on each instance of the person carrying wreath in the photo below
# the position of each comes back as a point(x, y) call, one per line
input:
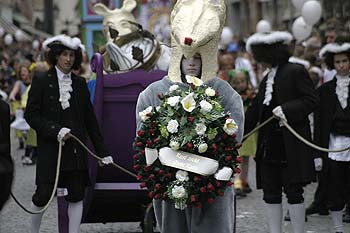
point(195, 54)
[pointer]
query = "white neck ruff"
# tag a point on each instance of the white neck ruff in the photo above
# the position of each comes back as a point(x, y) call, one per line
point(269, 86)
point(342, 90)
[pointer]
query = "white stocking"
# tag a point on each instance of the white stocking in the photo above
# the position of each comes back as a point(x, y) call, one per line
point(274, 213)
point(36, 219)
point(297, 217)
point(75, 212)
point(337, 218)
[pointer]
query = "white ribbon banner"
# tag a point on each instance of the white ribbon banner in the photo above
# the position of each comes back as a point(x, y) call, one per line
point(188, 162)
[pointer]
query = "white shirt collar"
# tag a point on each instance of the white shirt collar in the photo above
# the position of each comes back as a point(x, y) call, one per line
point(60, 74)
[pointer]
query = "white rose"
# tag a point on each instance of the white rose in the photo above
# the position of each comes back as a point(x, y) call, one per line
point(205, 106)
point(172, 126)
point(144, 114)
point(200, 129)
point(178, 191)
point(173, 87)
point(174, 145)
point(172, 101)
point(158, 108)
point(230, 126)
point(188, 103)
point(202, 147)
point(194, 80)
point(182, 175)
point(210, 91)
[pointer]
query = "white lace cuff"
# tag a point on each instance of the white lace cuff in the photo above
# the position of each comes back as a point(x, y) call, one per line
point(62, 133)
point(269, 86)
point(65, 86)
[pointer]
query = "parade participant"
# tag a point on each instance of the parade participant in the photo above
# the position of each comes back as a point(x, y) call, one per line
point(282, 161)
point(200, 61)
point(332, 126)
point(239, 80)
point(6, 164)
point(58, 106)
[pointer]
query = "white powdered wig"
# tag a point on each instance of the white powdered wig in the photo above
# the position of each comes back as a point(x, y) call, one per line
point(334, 48)
point(300, 61)
point(268, 38)
point(72, 43)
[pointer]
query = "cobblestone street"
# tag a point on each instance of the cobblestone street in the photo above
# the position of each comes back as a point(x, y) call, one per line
point(250, 210)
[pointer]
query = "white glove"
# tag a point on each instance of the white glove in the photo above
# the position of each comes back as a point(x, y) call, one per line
point(318, 164)
point(62, 133)
point(105, 161)
point(278, 112)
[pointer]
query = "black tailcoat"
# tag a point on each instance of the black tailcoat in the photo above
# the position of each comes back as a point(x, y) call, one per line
point(45, 115)
point(6, 164)
point(324, 114)
point(294, 92)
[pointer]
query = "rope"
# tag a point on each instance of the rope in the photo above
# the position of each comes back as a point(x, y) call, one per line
point(54, 187)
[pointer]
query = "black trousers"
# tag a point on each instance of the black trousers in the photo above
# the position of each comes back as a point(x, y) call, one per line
point(339, 182)
point(75, 182)
point(321, 194)
point(274, 182)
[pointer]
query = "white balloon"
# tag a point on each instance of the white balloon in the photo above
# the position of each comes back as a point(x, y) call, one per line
point(300, 29)
point(311, 12)
point(8, 39)
point(263, 26)
point(298, 4)
point(35, 44)
point(19, 35)
point(226, 36)
point(2, 31)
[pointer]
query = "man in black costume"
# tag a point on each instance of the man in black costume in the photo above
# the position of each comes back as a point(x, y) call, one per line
point(283, 162)
point(58, 105)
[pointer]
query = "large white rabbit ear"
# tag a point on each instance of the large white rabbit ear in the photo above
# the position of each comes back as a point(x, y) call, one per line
point(101, 9)
point(129, 5)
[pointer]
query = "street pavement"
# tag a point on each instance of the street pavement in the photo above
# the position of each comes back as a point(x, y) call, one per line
point(251, 216)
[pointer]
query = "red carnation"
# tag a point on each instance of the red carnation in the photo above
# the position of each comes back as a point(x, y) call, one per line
point(229, 183)
point(215, 147)
point(228, 158)
point(157, 196)
point(147, 168)
point(136, 167)
point(161, 172)
point(189, 145)
point(151, 177)
point(218, 183)
point(188, 41)
point(228, 148)
point(138, 144)
point(196, 179)
point(150, 194)
point(190, 119)
point(143, 152)
point(156, 140)
point(211, 187)
point(193, 198)
point(203, 189)
point(143, 185)
point(157, 186)
point(211, 200)
point(234, 135)
point(140, 133)
point(135, 157)
point(138, 177)
point(199, 205)
point(238, 159)
point(224, 136)
point(149, 143)
point(168, 175)
point(237, 170)
point(220, 193)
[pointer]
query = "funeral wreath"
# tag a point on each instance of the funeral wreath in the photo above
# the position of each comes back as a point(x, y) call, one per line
point(186, 148)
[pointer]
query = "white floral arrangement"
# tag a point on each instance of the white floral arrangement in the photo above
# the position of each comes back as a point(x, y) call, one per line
point(190, 120)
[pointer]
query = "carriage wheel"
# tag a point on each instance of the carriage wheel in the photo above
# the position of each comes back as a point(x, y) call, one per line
point(149, 220)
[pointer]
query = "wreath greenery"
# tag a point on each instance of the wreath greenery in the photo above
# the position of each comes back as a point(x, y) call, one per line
point(190, 120)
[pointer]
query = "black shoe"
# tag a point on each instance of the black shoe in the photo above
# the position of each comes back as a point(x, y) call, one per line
point(240, 193)
point(316, 209)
